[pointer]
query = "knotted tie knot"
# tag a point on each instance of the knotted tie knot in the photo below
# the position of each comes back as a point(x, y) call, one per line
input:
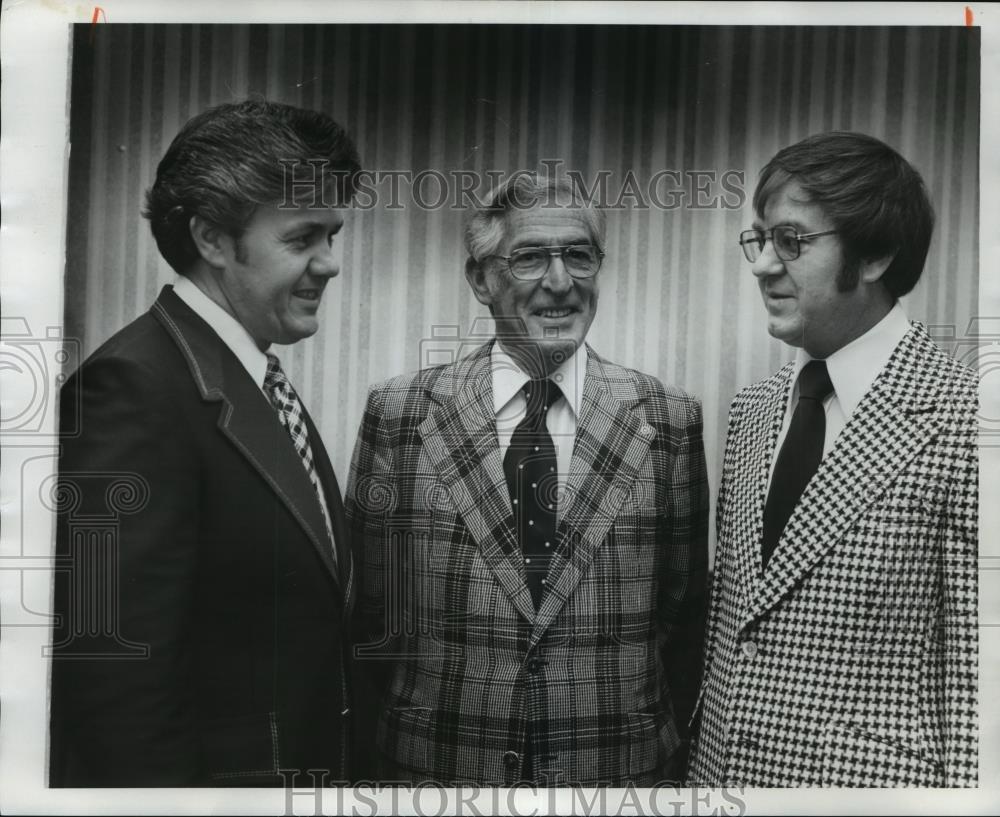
point(814, 381)
point(276, 383)
point(540, 394)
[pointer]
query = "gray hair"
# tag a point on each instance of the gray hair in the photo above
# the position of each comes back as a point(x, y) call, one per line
point(486, 226)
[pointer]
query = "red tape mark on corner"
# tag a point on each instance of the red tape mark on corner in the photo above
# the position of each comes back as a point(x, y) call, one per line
point(968, 16)
point(93, 20)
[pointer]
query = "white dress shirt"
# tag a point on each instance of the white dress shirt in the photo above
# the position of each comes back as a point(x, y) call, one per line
point(226, 327)
point(853, 370)
point(509, 403)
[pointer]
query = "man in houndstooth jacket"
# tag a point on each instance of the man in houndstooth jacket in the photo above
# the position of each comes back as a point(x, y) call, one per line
point(473, 676)
point(846, 655)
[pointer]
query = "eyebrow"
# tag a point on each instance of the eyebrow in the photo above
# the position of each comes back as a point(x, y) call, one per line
point(797, 225)
point(312, 226)
point(571, 242)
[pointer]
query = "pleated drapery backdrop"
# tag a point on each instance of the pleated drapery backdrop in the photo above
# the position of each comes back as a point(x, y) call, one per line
point(705, 103)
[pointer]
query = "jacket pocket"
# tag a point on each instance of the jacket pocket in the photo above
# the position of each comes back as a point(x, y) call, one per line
point(403, 738)
point(653, 741)
point(241, 746)
point(853, 757)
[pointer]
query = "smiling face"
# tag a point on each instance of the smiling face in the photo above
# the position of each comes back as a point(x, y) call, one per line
point(554, 312)
point(272, 278)
point(805, 307)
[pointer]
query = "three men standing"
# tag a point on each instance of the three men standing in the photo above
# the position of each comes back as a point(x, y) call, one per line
point(531, 519)
point(842, 638)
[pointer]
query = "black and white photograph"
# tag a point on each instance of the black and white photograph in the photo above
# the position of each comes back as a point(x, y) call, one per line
point(520, 408)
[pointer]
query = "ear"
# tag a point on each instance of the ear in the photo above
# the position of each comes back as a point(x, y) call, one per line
point(210, 241)
point(476, 275)
point(872, 269)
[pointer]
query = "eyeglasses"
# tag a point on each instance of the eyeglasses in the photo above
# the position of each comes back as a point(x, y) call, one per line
point(531, 263)
point(786, 242)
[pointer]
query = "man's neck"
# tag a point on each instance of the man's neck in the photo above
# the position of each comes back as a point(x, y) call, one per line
point(869, 315)
point(536, 358)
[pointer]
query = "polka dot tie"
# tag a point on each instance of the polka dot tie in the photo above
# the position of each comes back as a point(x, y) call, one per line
point(533, 483)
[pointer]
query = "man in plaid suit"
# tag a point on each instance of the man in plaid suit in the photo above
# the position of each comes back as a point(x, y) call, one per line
point(842, 638)
point(497, 654)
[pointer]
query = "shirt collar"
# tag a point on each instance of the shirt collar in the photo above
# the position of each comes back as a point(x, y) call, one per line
point(509, 379)
point(230, 330)
point(854, 367)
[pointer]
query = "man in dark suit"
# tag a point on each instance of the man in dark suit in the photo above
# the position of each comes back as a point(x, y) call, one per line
point(204, 574)
point(533, 519)
point(842, 639)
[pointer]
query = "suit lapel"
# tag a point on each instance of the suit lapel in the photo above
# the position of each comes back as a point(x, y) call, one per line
point(460, 439)
point(894, 421)
point(752, 494)
point(246, 417)
point(612, 441)
point(335, 507)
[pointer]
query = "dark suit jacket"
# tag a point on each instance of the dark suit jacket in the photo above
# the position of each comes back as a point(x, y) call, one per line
point(199, 632)
point(599, 681)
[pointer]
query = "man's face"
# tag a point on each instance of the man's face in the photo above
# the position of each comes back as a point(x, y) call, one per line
point(804, 307)
point(275, 274)
point(556, 310)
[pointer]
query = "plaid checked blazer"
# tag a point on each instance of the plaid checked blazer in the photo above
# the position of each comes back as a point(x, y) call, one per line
point(853, 660)
point(459, 660)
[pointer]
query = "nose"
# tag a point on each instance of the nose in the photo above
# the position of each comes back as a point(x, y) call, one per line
point(768, 263)
point(324, 263)
point(557, 280)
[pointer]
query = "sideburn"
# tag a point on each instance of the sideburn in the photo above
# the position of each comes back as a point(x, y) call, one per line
point(240, 250)
point(849, 275)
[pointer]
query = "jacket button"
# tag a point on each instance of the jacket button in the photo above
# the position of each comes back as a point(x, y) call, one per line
point(535, 664)
point(749, 649)
point(511, 759)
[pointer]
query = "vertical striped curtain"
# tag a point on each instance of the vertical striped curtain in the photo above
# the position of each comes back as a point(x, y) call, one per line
point(705, 104)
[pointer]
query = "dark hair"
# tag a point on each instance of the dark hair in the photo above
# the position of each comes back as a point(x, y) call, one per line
point(876, 200)
point(228, 160)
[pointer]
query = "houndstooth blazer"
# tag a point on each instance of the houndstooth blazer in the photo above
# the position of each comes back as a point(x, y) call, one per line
point(458, 660)
point(853, 660)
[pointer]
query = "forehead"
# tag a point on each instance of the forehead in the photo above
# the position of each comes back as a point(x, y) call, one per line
point(542, 226)
point(272, 218)
point(790, 204)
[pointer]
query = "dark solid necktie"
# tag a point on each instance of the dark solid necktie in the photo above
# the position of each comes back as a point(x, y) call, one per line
point(291, 415)
point(533, 482)
point(800, 454)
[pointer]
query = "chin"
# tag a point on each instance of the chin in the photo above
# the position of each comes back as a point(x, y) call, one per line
point(792, 335)
point(297, 334)
point(565, 341)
